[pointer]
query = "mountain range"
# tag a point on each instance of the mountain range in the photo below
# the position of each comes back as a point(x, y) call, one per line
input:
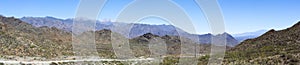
point(136, 30)
point(21, 40)
point(248, 35)
point(36, 40)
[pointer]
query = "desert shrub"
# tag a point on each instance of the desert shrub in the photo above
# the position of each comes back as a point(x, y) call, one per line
point(170, 61)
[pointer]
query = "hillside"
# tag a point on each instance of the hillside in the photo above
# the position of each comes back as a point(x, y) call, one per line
point(20, 40)
point(136, 30)
point(274, 47)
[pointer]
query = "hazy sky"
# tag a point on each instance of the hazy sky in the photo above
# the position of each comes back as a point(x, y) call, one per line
point(239, 15)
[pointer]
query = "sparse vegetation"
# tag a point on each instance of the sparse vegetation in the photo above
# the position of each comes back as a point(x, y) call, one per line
point(20, 40)
point(170, 61)
point(272, 48)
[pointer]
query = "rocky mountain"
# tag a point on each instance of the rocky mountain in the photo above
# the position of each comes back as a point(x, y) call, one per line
point(19, 40)
point(248, 35)
point(272, 48)
point(207, 38)
point(66, 24)
point(136, 30)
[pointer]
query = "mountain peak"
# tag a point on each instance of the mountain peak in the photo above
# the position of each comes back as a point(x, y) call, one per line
point(225, 33)
point(50, 17)
point(270, 31)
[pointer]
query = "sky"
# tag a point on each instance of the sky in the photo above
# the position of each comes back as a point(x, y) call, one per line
point(239, 15)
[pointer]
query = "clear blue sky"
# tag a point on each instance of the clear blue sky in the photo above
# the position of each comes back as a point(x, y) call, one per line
point(240, 15)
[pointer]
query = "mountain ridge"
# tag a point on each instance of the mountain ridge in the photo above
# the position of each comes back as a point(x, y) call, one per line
point(22, 40)
point(248, 35)
point(136, 30)
point(272, 47)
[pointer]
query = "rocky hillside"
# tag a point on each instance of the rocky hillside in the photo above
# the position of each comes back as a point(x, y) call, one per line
point(22, 39)
point(136, 30)
point(19, 39)
point(272, 48)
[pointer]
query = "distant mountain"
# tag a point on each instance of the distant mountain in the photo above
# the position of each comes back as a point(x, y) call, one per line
point(248, 35)
point(49, 22)
point(230, 41)
point(136, 30)
point(272, 48)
